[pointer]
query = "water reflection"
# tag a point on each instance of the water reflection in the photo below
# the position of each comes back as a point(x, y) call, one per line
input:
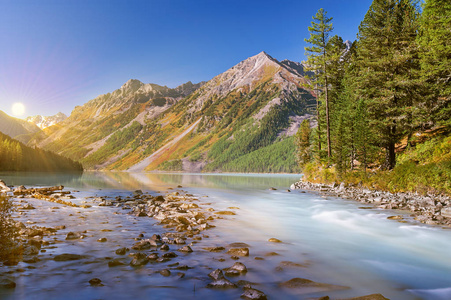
point(150, 181)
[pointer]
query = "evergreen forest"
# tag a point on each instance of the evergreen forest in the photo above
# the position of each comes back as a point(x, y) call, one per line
point(383, 102)
point(15, 156)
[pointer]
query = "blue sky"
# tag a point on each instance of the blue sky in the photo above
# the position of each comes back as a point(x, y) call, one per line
point(56, 54)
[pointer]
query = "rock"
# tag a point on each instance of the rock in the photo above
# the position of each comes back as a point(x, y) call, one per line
point(446, 212)
point(225, 212)
point(74, 236)
point(219, 280)
point(140, 259)
point(7, 283)
point(122, 251)
point(253, 294)
point(222, 284)
point(214, 249)
point(28, 206)
point(102, 240)
point(238, 251)
point(186, 249)
point(3, 187)
point(237, 269)
point(398, 217)
point(179, 241)
point(138, 192)
point(144, 244)
point(272, 189)
point(169, 255)
point(369, 297)
point(165, 272)
point(216, 274)
point(68, 256)
point(274, 240)
point(309, 286)
point(95, 282)
point(153, 256)
point(115, 263)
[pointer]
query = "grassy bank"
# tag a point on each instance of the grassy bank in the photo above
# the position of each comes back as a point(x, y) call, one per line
point(424, 166)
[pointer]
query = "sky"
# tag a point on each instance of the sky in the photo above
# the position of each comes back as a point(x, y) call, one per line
point(57, 54)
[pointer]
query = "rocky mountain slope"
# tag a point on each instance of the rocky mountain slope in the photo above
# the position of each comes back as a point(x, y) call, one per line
point(14, 127)
point(46, 121)
point(240, 117)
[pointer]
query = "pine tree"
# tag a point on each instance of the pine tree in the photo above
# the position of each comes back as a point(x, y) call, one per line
point(317, 61)
point(302, 141)
point(435, 56)
point(387, 54)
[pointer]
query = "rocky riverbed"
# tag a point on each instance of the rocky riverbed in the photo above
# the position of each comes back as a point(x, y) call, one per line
point(176, 245)
point(429, 209)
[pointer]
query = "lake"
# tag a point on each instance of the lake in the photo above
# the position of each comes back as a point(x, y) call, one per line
point(324, 239)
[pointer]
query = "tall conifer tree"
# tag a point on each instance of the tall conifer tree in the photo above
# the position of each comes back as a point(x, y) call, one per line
point(387, 54)
point(435, 55)
point(318, 58)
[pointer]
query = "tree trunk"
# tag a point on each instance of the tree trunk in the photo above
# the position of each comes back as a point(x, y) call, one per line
point(319, 126)
point(329, 147)
point(390, 156)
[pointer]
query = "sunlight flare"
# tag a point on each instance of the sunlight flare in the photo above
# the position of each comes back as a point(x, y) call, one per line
point(18, 109)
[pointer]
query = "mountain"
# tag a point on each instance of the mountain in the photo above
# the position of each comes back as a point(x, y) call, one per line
point(14, 127)
point(44, 122)
point(241, 120)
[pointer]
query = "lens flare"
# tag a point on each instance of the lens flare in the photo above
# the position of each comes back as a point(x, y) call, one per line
point(18, 109)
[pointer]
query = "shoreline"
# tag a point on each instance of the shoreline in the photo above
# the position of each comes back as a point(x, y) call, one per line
point(429, 209)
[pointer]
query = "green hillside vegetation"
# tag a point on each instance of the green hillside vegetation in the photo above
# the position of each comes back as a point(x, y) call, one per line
point(389, 98)
point(15, 156)
point(278, 157)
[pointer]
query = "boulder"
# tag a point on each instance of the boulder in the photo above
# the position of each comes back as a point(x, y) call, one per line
point(237, 269)
point(95, 282)
point(186, 249)
point(140, 259)
point(122, 251)
point(238, 251)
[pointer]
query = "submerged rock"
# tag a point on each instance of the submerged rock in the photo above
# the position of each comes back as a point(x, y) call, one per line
point(274, 240)
point(139, 259)
point(238, 251)
point(253, 294)
point(309, 286)
point(95, 282)
point(68, 256)
point(7, 283)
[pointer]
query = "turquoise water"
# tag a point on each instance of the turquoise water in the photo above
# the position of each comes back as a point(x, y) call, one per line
point(335, 240)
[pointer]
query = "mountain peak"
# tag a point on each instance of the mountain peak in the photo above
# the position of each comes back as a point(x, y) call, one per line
point(132, 85)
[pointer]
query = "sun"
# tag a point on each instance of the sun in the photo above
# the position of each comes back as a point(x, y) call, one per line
point(18, 109)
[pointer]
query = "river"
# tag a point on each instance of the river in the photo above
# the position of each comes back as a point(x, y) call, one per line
point(327, 240)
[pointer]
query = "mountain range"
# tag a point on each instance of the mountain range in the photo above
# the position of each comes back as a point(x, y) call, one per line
point(242, 120)
point(46, 121)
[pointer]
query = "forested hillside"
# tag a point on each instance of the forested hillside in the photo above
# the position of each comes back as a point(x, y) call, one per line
point(383, 106)
point(15, 156)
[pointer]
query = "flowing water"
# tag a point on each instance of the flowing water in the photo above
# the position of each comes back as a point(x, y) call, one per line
point(325, 239)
